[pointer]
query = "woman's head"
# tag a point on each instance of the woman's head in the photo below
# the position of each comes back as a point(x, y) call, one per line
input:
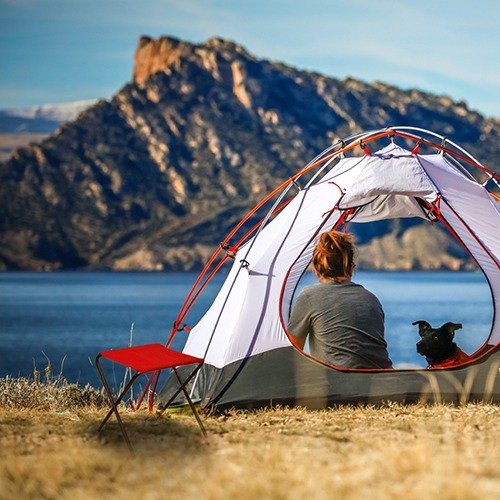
point(333, 257)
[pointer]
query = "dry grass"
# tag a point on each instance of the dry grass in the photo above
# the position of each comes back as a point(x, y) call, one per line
point(390, 452)
point(53, 394)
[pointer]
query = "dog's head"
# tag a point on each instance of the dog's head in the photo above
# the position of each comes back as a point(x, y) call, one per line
point(436, 344)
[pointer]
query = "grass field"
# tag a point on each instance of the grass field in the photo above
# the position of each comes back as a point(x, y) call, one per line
point(393, 451)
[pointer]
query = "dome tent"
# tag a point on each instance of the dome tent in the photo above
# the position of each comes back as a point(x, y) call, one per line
point(250, 360)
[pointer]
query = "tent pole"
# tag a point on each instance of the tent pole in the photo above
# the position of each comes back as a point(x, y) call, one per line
point(458, 165)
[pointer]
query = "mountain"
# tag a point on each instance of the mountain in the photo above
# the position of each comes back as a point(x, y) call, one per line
point(44, 118)
point(154, 177)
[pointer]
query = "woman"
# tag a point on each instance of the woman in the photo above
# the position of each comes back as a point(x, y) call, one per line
point(344, 321)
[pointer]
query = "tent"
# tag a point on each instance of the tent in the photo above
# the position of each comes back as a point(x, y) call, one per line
point(249, 359)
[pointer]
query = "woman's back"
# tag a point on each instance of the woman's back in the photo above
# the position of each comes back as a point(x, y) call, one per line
point(345, 323)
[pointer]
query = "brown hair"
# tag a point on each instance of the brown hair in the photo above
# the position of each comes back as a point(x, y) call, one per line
point(333, 256)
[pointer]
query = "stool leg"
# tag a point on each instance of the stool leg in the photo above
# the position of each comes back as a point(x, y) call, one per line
point(152, 393)
point(179, 390)
point(114, 404)
point(193, 409)
point(118, 400)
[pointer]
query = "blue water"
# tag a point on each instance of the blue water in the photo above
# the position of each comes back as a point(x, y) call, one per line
point(73, 315)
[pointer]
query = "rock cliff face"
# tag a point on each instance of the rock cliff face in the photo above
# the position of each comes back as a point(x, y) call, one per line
point(154, 178)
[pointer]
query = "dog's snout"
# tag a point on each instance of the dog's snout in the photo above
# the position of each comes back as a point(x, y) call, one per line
point(419, 346)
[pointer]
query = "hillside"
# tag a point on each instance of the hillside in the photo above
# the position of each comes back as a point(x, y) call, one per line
point(153, 178)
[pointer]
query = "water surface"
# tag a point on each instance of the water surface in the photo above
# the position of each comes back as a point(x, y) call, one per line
point(73, 315)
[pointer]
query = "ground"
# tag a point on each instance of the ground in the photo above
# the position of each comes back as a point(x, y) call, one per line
point(395, 451)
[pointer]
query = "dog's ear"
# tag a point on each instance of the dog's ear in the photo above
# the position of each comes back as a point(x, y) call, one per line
point(423, 326)
point(450, 328)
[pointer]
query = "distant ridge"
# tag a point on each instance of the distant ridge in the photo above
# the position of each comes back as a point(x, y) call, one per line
point(154, 177)
point(42, 118)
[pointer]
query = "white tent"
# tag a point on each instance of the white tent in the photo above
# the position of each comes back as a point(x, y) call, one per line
point(243, 336)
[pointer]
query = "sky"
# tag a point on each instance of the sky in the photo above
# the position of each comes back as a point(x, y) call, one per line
point(54, 51)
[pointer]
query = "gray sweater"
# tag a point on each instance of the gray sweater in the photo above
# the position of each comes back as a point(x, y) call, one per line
point(345, 324)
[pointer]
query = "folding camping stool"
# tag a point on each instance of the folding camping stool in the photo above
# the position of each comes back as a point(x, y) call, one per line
point(143, 359)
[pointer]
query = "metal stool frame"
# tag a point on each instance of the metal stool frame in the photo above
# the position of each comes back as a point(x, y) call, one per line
point(115, 402)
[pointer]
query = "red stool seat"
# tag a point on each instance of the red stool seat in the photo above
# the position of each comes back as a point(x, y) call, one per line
point(143, 359)
point(149, 357)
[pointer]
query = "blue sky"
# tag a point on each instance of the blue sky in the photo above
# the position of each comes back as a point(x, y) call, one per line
point(64, 50)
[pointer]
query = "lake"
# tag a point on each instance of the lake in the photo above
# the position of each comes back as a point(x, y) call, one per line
point(68, 317)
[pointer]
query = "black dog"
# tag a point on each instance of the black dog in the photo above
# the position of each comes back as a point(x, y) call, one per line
point(437, 345)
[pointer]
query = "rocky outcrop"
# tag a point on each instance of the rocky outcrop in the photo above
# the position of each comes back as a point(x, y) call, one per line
point(154, 177)
point(417, 247)
point(152, 56)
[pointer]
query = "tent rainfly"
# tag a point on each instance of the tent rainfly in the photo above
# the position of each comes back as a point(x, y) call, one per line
point(249, 359)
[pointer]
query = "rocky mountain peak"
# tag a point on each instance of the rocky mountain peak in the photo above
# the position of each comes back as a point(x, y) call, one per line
point(154, 177)
point(226, 46)
point(166, 53)
point(153, 55)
